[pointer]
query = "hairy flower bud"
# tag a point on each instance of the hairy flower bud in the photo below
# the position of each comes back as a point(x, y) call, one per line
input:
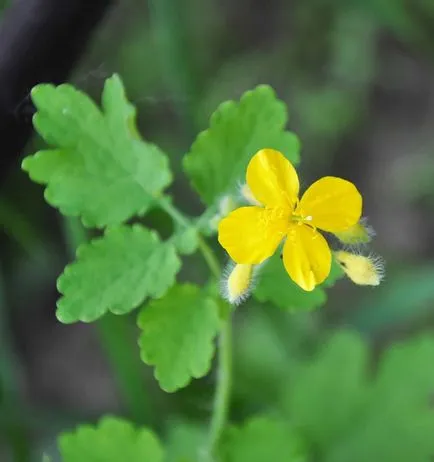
point(362, 270)
point(237, 283)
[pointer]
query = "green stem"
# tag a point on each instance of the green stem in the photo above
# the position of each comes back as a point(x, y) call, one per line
point(210, 258)
point(115, 334)
point(223, 388)
point(224, 369)
point(166, 204)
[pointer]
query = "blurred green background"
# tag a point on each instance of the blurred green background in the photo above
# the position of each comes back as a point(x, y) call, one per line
point(358, 78)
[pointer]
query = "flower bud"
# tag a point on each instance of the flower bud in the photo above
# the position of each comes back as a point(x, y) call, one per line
point(362, 270)
point(237, 283)
point(360, 233)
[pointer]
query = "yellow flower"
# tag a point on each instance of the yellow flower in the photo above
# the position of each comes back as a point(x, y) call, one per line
point(252, 234)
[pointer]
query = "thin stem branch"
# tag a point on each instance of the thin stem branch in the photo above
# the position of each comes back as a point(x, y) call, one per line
point(224, 369)
point(223, 388)
point(165, 204)
point(210, 258)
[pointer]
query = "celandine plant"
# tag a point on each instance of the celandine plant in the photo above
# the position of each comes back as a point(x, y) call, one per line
point(98, 168)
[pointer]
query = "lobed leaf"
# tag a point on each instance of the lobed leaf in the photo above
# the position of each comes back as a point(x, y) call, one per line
point(219, 156)
point(178, 335)
point(397, 424)
point(263, 438)
point(332, 387)
point(112, 440)
point(186, 441)
point(98, 168)
point(116, 273)
point(388, 418)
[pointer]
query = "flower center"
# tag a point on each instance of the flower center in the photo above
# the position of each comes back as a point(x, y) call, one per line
point(300, 219)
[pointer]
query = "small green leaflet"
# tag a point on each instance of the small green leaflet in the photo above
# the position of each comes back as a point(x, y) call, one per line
point(263, 439)
point(178, 335)
point(112, 440)
point(275, 286)
point(218, 158)
point(115, 273)
point(98, 168)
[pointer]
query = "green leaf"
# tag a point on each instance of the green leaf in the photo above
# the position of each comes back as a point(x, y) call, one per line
point(397, 424)
point(218, 158)
point(99, 168)
point(275, 286)
point(261, 357)
point(261, 439)
point(112, 440)
point(333, 385)
point(178, 335)
point(116, 273)
point(388, 417)
point(186, 442)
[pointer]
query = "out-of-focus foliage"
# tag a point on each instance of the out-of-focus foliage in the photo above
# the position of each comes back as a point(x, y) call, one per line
point(274, 287)
point(263, 438)
point(356, 76)
point(331, 408)
point(111, 440)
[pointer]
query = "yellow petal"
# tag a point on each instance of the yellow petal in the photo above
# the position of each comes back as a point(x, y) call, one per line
point(331, 204)
point(251, 234)
point(272, 179)
point(306, 256)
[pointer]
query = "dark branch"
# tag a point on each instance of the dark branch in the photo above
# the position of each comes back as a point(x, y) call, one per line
point(40, 41)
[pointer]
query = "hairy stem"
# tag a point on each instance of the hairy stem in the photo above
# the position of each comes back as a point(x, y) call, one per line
point(223, 388)
point(224, 369)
